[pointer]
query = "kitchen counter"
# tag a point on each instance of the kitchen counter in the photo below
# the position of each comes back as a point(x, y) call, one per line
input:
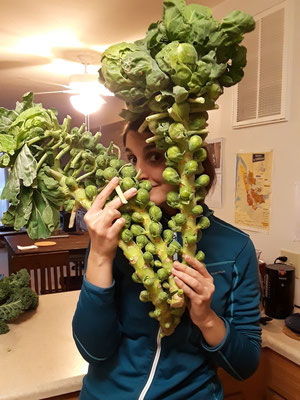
point(39, 359)
point(276, 340)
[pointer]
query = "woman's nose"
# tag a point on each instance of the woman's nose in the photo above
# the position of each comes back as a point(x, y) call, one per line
point(143, 174)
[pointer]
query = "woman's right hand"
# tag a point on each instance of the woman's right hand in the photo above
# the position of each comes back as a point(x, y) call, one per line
point(104, 223)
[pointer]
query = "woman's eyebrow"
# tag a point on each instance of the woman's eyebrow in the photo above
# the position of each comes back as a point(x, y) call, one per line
point(128, 150)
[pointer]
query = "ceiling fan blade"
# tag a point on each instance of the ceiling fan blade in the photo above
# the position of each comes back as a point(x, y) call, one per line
point(50, 83)
point(56, 91)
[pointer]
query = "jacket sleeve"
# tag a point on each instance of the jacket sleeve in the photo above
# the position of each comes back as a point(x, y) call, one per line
point(95, 323)
point(239, 352)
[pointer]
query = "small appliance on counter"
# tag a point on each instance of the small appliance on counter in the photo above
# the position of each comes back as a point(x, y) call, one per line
point(279, 289)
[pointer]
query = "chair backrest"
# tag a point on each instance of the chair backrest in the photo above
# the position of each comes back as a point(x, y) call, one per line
point(49, 272)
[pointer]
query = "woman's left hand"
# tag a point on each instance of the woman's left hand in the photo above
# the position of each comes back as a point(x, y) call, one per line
point(198, 285)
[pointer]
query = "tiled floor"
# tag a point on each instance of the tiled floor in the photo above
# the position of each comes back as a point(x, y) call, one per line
point(3, 261)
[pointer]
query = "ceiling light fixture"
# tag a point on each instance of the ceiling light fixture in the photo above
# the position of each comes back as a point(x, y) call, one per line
point(87, 103)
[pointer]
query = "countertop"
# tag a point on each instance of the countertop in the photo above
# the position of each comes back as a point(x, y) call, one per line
point(276, 340)
point(39, 359)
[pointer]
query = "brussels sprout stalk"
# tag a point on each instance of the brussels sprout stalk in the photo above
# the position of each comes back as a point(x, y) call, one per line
point(154, 288)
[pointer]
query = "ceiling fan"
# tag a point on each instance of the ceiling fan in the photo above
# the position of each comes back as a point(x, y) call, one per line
point(85, 88)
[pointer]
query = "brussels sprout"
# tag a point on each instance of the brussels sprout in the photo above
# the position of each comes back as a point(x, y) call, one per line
point(127, 183)
point(204, 223)
point(115, 163)
point(171, 176)
point(191, 238)
point(128, 171)
point(148, 281)
point(195, 143)
point(137, 229)
point(150, 247)
point(200, 169)
point(71, 183)
point(148, 257)
point(162, 274)
point(157, 264)
point(112, 156)
point(99, 148)
point(190, 167)
point(109, 173)
point(102, 161)
point(150, 204)
point(179, 219)
point(177, 132)
point(200, 155)
point(168, 236)
point(69, 205)
point(197, 210)
point(141, 241)
point(165, 285)
point(171, 251)
point(173, 226)
point(202, 181)
point(126, 235)
point(91, 192)
point(155, 229)
point(185, 193)
point(145, 185)
point(137, 217)
point(163, 296)
point(144, 296)
point(173, 199)
point(155, 313)
point(174, 154)
point(89, 181)
point(178, 60)
point(142, 198)
point(127, 218)
point(135, 278)
point(88, 167)
point(88, 155)
point(176, 245)
point(155, 213)
point(200, 256)
point(197, 122)
point(99, 173)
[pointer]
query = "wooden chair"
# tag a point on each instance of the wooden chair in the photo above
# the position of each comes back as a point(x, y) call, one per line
point(50, 273)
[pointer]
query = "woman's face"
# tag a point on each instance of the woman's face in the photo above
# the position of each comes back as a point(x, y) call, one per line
point(151, 162)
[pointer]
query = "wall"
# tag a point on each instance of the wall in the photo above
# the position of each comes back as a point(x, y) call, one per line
point(283, 138)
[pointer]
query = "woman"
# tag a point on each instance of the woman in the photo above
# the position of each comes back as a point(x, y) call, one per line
point(112, 329)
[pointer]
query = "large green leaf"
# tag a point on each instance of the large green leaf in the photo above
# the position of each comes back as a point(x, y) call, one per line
point(7, 143)
point(24, 169)
point(24, 208)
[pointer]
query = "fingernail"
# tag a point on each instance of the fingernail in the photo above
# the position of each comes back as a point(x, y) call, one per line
point(133, 190)
point(115, 179)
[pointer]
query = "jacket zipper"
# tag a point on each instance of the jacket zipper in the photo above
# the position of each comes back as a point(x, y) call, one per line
point(158, 349)
point(153, 368)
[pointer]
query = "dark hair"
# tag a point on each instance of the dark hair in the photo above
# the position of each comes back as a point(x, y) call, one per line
point(207, 164)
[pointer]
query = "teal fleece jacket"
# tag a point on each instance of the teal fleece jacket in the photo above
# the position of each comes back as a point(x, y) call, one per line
point(127, 359)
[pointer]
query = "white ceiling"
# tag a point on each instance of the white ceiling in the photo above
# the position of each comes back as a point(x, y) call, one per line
point(35, 34)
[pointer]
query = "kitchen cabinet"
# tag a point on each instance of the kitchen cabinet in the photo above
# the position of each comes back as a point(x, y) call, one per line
point(276, 378)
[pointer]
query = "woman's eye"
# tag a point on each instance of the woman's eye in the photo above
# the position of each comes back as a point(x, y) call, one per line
point(155, 157)
point(132, 159)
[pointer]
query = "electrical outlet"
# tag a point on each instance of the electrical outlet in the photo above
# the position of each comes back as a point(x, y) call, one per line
point(293, 258)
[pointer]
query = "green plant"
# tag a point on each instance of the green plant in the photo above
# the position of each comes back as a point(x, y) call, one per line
point(15, 298)
point(173, 76)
